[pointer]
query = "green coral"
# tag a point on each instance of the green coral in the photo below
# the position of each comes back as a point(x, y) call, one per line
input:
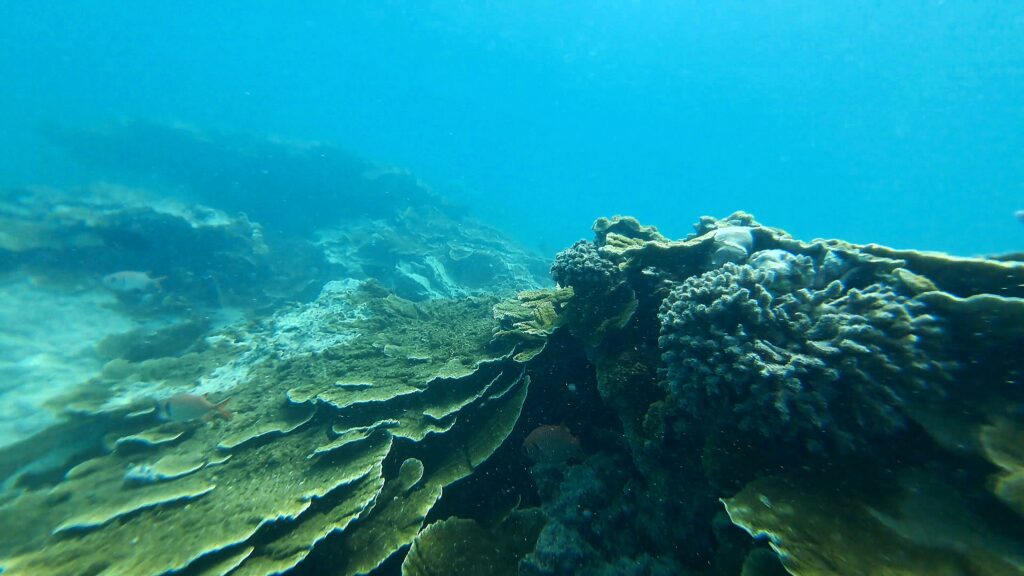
point(302, 466)
point(1003, 445)
point(463, 547)
point(603, 301)
point(527, 320)
point(822, 526)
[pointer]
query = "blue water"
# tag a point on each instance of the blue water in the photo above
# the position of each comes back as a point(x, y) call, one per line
point(899, 123)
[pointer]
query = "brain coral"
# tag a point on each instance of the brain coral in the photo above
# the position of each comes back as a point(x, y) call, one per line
point(824, 368)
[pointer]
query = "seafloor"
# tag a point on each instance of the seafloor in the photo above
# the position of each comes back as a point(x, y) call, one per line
point(735, 402)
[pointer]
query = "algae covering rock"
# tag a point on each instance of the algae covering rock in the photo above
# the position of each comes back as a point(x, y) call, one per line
point(332, 460)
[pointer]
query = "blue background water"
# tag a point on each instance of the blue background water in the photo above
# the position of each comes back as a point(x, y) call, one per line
point(895, 122)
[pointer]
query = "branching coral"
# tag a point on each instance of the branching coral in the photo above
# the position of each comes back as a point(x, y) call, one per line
point(603, 301)
point(582, 267)
point(823, 367)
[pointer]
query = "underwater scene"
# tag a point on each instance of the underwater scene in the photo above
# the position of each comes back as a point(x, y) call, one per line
point(447, 288)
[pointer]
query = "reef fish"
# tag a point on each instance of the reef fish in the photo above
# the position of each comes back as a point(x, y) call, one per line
point(553, 445)
point(132, 281)
point(185, 407)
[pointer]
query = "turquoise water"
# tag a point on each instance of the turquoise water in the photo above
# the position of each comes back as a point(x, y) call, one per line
point(870, 121)
point(382, 287)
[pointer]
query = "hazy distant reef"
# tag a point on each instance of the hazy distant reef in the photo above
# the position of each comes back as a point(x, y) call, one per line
point(367, 220)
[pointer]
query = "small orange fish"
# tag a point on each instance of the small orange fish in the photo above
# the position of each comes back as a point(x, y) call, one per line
point(553, 445)
point(131, 281)
point(185, 407)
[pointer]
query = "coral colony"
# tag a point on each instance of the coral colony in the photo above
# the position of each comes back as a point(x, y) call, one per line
point(822, 397)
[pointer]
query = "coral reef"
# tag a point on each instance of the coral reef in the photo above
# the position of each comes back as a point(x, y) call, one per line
point(582, 267)
point(284, 185)
point(929, 529)
point(527, 320)
point(860, 374)
point(757, 345)
point(366, 220)
point(737, 402)
point(309, 461)
point(191, 280)
point(602, 301)
point(208, 258)
point(426, 253)
point(592, 529)
point(462, 547)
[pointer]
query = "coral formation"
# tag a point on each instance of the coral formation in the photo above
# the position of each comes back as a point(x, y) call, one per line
point(426, 253)
point(207, 261)
point(332, 485)
point(462, 547)
point(216, 269)
point(602, 301)
point(588, 508)
point(232, 172)
point(582, 267)
point(353, 218)
point(929, 530)
point(758, 345)
point(740, 402)
point(754, 358)
point(529, 319)
point(732, 244)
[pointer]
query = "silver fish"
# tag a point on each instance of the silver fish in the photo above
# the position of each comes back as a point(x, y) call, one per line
point(185, 407)
point(132, 281)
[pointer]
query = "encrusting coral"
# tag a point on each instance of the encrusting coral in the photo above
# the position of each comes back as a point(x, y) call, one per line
point(922, 527)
